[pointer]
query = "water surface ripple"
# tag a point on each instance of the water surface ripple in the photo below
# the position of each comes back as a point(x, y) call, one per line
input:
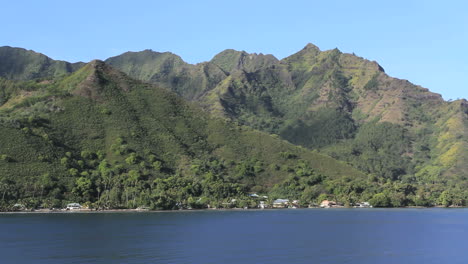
point(270, 236)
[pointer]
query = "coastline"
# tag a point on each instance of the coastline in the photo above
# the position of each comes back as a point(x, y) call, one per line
point(91, 211)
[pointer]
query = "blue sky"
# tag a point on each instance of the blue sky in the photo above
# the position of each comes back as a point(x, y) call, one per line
point(424, 42)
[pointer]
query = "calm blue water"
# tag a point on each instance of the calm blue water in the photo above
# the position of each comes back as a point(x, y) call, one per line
point(269, 236)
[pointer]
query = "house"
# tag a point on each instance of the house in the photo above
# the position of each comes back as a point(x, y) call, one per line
point(327, 204)
point(143, 208)
point(363, 205)
point(73, 206)
point(295, 204)
point(261, 205)
point(254, 195)
point(19, 207)
point(280, 203)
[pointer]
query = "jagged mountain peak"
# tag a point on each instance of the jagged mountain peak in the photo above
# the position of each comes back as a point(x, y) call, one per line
point(97, 64)
point(231, 60)
point(310, 50)
point(311, 46)
point(91, 80)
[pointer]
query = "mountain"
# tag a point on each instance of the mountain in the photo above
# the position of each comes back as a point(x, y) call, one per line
point(169, 71)
point(21, 64)
point(338, 103)
point(100, 137)
point(97, 128)
point(231, 60)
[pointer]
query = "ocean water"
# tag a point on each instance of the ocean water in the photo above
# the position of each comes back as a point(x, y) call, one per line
point(251, 236)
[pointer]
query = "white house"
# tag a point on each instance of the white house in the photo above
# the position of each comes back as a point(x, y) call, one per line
point(363, 205)
point(73, 206)
point(280, 203)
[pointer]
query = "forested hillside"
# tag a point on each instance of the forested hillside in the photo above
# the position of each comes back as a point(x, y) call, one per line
point(338, 103)
point(99, 137)
point(92, 134)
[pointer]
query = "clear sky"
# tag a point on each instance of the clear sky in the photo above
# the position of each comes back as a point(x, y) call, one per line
point(424, 42)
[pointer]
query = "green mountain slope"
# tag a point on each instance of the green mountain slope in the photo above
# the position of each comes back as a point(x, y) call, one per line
point(231, 60)
point(341, 104)
point(169, 71)
point(21, 64)
point(101, 137)
point(409, 142)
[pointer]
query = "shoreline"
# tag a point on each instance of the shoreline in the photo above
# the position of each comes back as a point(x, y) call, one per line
point(91, 211)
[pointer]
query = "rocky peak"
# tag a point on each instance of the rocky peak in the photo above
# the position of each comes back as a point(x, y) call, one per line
point(232, 60)
point(92, 78)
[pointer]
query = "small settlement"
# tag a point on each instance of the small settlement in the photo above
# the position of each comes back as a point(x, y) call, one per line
point(286, 203)
point(256, 201)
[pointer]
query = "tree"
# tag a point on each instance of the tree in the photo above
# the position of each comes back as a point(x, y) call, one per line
point(445, 198)
point(380, 200)
point(6, 158)
point(4, 187)
point(397, 199)
point(131, 159)
point(157, 166)
point(73, 172)
point(83, 187)
point(321, 197)
point(132, 180)
point(45, 181)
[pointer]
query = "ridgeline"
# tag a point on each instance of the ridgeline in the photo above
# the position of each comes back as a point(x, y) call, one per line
point(147, 129)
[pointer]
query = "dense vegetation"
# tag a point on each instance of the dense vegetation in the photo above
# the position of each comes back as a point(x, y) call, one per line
point(101, 138)
point(339, 104)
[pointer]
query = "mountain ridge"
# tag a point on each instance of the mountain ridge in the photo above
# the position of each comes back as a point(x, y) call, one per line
point(100, 137)
point(331, 102)
point(285, 97)
point(22, 64)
